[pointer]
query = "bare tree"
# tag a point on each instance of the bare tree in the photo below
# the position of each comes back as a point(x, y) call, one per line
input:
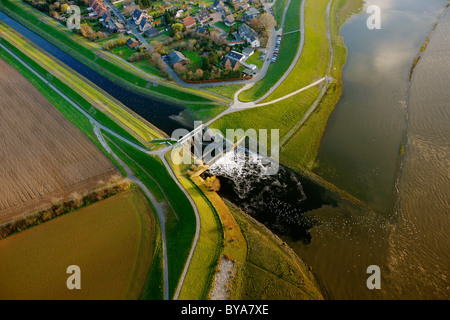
point(267, 21)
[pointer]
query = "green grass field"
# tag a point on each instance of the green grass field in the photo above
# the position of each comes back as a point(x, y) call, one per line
point(255, 59)
point(111, 241)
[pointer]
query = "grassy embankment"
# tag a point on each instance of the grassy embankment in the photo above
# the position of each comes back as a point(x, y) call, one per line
point(299, 148)
point(265, 267)
point(121, 230)
point(180, 217)
point(99, 60)
point(200, 275)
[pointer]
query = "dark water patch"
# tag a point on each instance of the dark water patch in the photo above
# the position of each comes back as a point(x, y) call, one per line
point(278, 201)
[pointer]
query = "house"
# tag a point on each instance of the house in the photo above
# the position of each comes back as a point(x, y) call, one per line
point(248, 51)
point(189, 22)
point(112, 25)
point(249, 35)
point(179, 13)
point(146, 23)
point(132, 43)
point(234, 55)
point(244, 6)
point(200, 30)
point(251, 14)
point(217, 5)
point(137, 16)
point(99, 7)
point(176, 56)
point(103, 18)
point(203, 15)
point(229, 20)
point(237, 39)
point(152, 32)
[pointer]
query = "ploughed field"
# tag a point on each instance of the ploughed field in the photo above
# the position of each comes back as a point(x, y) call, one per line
point(43, 157)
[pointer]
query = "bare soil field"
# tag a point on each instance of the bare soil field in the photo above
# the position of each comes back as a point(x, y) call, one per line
point(43, 157)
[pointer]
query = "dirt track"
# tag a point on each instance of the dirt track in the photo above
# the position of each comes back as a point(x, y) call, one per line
point(43, 157)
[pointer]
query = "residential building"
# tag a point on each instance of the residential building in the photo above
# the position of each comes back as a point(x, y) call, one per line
point(244, 6)
point(99, 7)
point(200, 30)
point(249, 35)
point(229, 20)
point(137, 16)
point(112, 25)
point(229, 63)
point(251, 13)
point(132, 43)
point(203, 15)
point(152, 32)
point(175, 57)
point(146, 23)
point(234, 55)
point(189, 22)
point(248, 51)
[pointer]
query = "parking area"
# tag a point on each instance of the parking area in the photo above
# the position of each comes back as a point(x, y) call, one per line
point(277, 48)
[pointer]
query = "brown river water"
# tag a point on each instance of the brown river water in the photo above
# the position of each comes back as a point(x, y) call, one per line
point(405, 232)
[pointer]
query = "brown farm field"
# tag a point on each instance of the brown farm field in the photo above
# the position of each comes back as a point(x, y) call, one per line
point(111, 242)
point(43, 157)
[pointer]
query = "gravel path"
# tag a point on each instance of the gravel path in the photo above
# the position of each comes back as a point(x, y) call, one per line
point(223, 277)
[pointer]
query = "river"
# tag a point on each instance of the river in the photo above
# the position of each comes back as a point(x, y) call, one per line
point(405, 232)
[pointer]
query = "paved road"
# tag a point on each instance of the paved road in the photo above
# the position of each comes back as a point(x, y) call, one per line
point(129, 25)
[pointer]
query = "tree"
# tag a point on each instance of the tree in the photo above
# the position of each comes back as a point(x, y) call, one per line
point(228, 65)
point(255, 25)
point(176, 27)
point(267, 21)
point(213, 183)
point(87, 32)
point(199, 73)
point(205, 63)
point(64, 7)
point(213, 58)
